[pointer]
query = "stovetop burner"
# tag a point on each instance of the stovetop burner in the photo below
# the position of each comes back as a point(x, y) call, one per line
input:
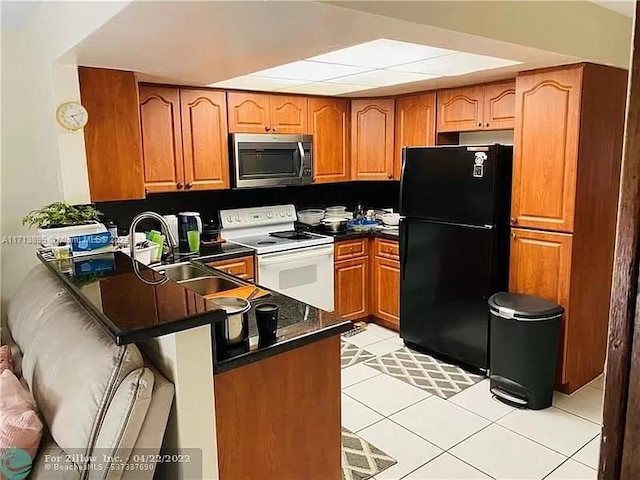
point(291, 235)
point(266, 242)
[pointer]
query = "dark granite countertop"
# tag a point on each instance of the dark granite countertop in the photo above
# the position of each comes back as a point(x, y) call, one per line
point(352, 234)
point(133, 303)
point(298, 324)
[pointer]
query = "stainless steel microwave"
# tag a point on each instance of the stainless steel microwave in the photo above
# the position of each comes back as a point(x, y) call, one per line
point(268, 160)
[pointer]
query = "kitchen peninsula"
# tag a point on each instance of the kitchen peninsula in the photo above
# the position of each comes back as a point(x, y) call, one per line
point(269, 399)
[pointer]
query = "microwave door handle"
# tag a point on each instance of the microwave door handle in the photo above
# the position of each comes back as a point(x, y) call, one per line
point(301, 169)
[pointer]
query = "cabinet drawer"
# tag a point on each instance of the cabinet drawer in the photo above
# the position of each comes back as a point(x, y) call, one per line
point(241, 267)
point(387, 249)
point(351, 249)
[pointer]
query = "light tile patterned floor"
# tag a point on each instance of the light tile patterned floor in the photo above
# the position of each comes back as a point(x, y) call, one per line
point(464, 434)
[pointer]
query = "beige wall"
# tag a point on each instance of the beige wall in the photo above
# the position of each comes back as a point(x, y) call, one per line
point(41, 163)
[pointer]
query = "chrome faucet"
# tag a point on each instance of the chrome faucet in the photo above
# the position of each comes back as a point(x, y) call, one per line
point(164, 227)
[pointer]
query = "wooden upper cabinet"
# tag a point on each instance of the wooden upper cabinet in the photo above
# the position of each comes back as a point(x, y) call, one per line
point(161, 138)
point(248, 112)
point(540, 265)
point(546, 149)
point(112, 135)
point(499, 105)
point(204, 139)
point(264, 113)
point(479, 107)
point(460, 109)
point(372, 136)
point(329, 125)
point(415, 125)
point(288, 114)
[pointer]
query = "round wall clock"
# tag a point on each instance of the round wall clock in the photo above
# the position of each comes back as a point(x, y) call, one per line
point(72, 116)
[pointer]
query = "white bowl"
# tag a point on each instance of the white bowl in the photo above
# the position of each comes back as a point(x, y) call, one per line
point(311, 216)
point(391, 219)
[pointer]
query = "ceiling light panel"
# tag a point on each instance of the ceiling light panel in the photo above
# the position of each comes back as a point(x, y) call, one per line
point(381, 53)
point(325, 88)
point(249, 82)
point(454, 64)
point(310, 71)
point(382, 78)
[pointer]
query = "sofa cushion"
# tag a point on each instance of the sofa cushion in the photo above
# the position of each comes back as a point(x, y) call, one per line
point(70, 363)
point(122, 423)
point(52, 463)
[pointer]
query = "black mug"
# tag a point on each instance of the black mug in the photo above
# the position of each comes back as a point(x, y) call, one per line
point(267, 321)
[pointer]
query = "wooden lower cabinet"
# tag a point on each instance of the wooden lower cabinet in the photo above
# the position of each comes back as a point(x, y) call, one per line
point(351, 288)
point(367, 285)
point(242, 267)
point(279, 418)
point(540, 265)
point(386, 292)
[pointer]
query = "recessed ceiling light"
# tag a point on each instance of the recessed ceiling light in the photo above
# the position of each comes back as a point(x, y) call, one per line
point(325, 88)
point(381, 53)
point(382, 78)
point(249, 82)
point(454, 64)
point(309, 71)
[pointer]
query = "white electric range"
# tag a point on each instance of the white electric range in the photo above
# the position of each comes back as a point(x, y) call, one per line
point(297, 264)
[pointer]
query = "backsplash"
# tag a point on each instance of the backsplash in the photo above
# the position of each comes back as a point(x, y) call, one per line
point(209, 203)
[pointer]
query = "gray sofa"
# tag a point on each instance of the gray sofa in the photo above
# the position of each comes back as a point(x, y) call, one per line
point(96, 399)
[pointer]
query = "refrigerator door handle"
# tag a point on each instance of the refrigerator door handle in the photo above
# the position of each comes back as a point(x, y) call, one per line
point(404, 226)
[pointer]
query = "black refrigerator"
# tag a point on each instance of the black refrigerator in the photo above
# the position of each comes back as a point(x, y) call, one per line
point(454, 247)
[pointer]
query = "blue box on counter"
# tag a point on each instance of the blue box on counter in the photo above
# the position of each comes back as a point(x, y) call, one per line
point(91, 244)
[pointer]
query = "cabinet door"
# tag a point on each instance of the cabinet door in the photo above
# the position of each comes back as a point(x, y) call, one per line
point(329, 125)
point(161, 139)
point(415, 124)
point(386, 291)
point(248, 112)
point(204, 139)
point(546, 149)
point(112, 136)
point(351, 288)
point(372, 124)
point(242, 267)
point(540, 265)
point(499, 105)
point(460, 109)
point(288, 114)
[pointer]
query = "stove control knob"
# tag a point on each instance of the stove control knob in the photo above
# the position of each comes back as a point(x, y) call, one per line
point(282, 214)
point(238, 218)
point(269, 214)
point(289, 214)
point(229, 218)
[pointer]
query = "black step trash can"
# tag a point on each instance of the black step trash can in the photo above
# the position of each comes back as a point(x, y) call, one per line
point(525, 331)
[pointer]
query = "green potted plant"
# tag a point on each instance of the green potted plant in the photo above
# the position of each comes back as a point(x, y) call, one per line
point(58, 221)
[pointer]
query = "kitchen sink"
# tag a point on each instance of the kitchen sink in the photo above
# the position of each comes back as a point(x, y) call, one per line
point(209, 285)
point(198, 279)
point(180, 272)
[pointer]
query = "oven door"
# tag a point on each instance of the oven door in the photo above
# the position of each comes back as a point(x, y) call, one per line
point(262, 160)
point(305, 274)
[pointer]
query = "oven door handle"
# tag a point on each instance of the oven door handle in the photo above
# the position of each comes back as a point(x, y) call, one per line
point(290, 258)
point(301, 169)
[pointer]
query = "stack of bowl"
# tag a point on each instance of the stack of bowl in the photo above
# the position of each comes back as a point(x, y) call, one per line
point(311, 217)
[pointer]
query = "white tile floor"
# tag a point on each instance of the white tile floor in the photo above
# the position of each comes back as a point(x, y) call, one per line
point(470, 435)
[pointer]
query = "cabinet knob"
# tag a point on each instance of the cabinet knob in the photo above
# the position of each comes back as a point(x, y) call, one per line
point(179, 185)
point(266, 129)
point(513, 235)
point(479, 124)
point(188, 186)
point(273, 129)
point(514, 221)
point(486, 124)
point(390, 176)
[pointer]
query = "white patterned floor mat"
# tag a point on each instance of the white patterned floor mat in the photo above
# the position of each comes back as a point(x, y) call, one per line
point(360, 459)
point(425, 372)
point(351, 354)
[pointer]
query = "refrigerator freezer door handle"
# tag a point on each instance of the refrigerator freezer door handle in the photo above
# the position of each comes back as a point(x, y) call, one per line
point(403, 248)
